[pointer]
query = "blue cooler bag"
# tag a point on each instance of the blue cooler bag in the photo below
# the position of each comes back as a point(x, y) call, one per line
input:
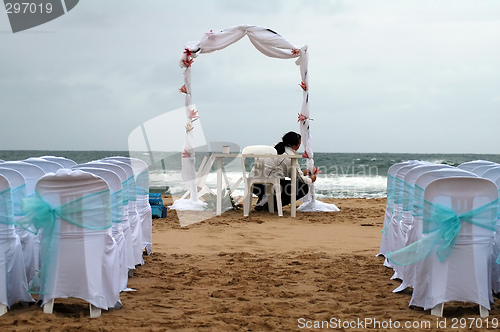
point(158, 210)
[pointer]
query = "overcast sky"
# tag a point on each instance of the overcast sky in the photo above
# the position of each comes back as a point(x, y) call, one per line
point(385, 76)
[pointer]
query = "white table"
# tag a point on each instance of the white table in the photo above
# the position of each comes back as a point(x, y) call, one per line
point(220, 156)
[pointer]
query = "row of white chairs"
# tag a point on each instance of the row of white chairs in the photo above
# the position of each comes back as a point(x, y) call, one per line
point(412, 187)
point(74, 261)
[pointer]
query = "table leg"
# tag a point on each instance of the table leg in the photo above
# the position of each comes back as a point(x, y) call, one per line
point(293, 202)
point(219, 186)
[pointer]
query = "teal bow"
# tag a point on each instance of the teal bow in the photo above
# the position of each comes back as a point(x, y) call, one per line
point(442, 226)
point(6, 207)
point(142, 183)
point(91, 211)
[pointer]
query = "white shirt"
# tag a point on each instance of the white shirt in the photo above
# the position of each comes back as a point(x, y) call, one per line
point(282, 167)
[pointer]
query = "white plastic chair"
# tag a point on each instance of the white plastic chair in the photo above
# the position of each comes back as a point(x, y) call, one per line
point(470, 165)
point(464, 274)
point(75, 261)
point(258, 176)
point(13, 282)
point(65, 162)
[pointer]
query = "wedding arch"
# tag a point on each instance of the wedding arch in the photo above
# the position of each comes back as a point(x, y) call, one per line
point(273, 45)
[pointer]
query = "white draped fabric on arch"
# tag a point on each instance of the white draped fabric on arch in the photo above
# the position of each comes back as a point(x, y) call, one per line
point(273, 45)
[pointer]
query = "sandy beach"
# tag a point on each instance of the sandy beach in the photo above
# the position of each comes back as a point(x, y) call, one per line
point(258, 273)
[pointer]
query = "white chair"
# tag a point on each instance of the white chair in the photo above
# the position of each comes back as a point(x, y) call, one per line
point(29, 241)
point(77, 240)
point(392, 229)
point(47, 165)
point(470, 165)
point(493, 174)
point(18, 186)
point(410, 175)
point(141, 173)
point(133, 216)
point(13, 282)
point(65, 162)
point(258, 176)
point(409, 190)
point(414, 233)
point(127, 234)
point(389, 209)
point(480, 170)
point(464, 274)
point(115, 187)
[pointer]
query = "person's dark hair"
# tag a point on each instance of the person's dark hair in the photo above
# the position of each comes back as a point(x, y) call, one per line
point(289, 139)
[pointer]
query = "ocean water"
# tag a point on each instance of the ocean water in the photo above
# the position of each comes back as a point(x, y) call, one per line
point(343, 174)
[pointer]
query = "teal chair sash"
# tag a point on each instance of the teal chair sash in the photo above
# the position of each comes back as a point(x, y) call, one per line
point(91, 211)
point(442, 225)
point(6, 207)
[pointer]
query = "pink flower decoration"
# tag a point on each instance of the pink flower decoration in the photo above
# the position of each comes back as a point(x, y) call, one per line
point(302, 117)
point(189, 127)
point(183, 89)
point(305, 155)
point(193, 114)
point(185, 154)
point(188, 62)
point(303, 85)
point(316, 170)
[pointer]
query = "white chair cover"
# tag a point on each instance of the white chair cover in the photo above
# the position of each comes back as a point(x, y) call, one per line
point(470, 165)
point(464, 275)
point(392, 231)
point(414, 233)
point(493, 174)
point(65, 162)
point(141, 173)
point(13, 283)
point(133, 216)
point(47, 165)
point(389, 209)
point(127, 234)
point(115, 186)
point(407, 207)
point(480, 170)
point(77, 246)
point(29, 241)
point(18, 188)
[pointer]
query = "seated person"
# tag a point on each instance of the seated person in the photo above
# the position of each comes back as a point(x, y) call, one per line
point(282, 168)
